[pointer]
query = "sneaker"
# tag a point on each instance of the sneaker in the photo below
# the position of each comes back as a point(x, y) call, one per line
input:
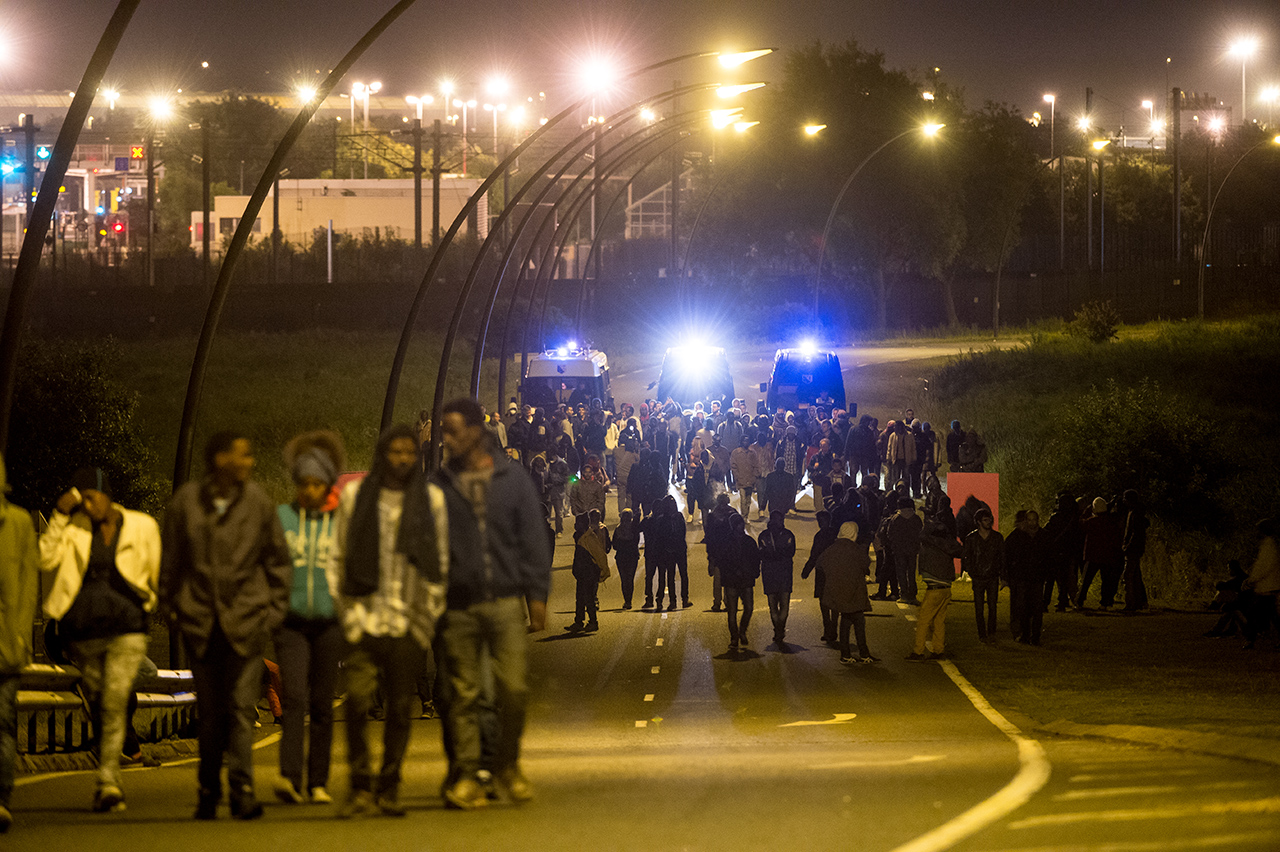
point(576, 627)
point(361, 804)
point(320, 796)
point(848, 661)
point(287, 793)
point(246, 806)
point(648, 603)
point(108, 800)
point(466, 795)
point(207, 804)
point(742, 640)
point(913, 657)
point(715, 608)
point(869, 659)
point(687, 603)
point(6, 819)
point(139, 759)
point(515, 784)
point(485, 779)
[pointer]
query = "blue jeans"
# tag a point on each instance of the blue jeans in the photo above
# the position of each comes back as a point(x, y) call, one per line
point(495, 628)
point(8, 734)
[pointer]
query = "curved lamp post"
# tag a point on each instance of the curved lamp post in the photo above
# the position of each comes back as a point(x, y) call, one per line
point(928, 130)
point(195, 386)
point(24, 275)
point(1208, 220)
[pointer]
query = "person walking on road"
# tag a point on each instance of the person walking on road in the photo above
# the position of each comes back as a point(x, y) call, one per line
point(388, 569)
point(904, 542)
point(20, 591)
point(742, 467)
point(626, 553)
point(105, 562)
point(310, 643)
point(715, 535)
point(822, 539)
point(591, 548)
point(738, 572)
point(499, 568)
point(777, 565)
point(224, 580)
point(983, 560)
point(939, 550)
point(844, 590)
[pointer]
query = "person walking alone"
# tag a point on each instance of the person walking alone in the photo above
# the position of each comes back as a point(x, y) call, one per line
point(844, 565)
point(777, 564)
point(939, 550)
point(983, 560)
point(105, 561)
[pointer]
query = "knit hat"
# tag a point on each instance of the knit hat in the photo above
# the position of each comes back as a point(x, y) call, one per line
point(91, 479)
point(314, 463)
point(1099, 505)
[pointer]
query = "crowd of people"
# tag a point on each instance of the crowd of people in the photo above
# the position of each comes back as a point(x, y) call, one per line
point(375, 577)
point(404, 571)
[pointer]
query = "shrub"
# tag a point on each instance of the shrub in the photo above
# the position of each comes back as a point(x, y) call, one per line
point(1095, 321)
point(67, 414)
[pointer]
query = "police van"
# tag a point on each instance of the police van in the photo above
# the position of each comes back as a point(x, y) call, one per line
point(804, 378)
point(695, 374)
point(568, 374)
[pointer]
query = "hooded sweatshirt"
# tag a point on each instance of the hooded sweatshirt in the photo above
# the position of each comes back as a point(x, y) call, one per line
point(310, 539)
point(19, 581)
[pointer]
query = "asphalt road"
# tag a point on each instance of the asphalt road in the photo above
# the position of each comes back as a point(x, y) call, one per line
point(650, 735)
point(752, 367)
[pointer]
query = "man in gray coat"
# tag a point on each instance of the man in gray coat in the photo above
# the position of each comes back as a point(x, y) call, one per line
point(224, 581)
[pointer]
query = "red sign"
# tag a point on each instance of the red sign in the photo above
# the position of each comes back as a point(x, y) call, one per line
point(137, 152)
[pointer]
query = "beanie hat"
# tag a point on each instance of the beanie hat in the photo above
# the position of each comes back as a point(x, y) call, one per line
point(314, 463)
point(91, 479)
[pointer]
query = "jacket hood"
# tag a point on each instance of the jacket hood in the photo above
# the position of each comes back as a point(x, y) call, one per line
point(849, 530)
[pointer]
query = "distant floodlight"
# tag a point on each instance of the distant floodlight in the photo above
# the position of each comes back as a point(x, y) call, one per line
point(932, 129)
point(722, 118)
point(808, 348)
point(161, 108)
point(814, 129)
point(744, 126)
point(306, 93)
point(1083, 122)
point(1099, 144)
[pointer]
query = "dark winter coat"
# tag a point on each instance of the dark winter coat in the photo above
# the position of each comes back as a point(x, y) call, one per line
point(984, 558)
point(741, 564)
point(777, 560)
point(844, 566)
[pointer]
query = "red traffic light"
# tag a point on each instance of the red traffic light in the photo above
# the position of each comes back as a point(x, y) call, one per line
point(118, 227)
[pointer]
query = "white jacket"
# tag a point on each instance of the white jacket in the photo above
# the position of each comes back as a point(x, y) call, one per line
point(64, 549)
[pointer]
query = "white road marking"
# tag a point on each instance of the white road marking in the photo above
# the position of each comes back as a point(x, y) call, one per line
point(1230, 841)
point(649, 697)
point(657, 643)
point(855, 764)
point(836, 719)
point(642, 723)
point(1108, 792)
point(1033, 774)
point(655, 669)
point(1085, 779)
point(1248, 806)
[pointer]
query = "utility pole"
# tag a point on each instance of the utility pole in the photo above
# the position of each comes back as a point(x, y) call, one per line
point(206, 178)
point(29, 169)
point(275, 227)
point(436, 172)
point(151, 204)
point(417, 182)
point(1088, 167)
point(1175, 108)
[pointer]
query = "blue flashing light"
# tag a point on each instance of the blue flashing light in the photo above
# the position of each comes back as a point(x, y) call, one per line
point(6, 169)
point(808, 348)
point(572, 344)
point(100, 210)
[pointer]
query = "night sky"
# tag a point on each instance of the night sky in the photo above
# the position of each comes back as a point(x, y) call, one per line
point(1004, 51)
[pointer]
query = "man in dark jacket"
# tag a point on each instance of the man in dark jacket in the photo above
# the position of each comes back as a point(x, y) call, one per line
point(904, 541)
point(860, 451)
point(499, 564)
point(716, 535)
point(955, 439)
point(777, 561)
point(224, 581)
point(1025, 561)
point(822, 539)
point(780, 489)
point(738, 574)
point(1103, 553)
point(983, 560)
point(1063, 546)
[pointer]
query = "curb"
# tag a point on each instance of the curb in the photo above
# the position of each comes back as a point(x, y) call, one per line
point(1177, 739)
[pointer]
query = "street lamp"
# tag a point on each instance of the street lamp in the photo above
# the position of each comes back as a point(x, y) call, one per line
point(1052, 101)
point(929, 130)
point(1244, 48)
point(814, 129)
point(495, 109)
point(1269, 96)
point(161, 110)
point(458, 102)
point(418, 102)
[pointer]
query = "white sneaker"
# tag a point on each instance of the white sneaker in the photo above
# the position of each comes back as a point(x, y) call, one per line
point(320, 796)
point(286, 792)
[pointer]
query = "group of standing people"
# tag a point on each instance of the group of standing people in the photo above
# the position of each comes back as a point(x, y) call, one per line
point(376, 577)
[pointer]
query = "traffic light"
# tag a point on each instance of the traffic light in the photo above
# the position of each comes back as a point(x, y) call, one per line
point(43, 152)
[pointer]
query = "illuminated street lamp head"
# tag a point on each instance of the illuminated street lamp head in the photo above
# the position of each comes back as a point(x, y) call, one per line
point(744, 126)
point(733, 60)
point(648, 115)
point(498, 86)
point(722, 118)
point(932, 129)
point(1216, 124)
point(1083, 123)
point(161, 108)
point(306, 93)
point(375, 87)
point(1050, 99)
point(446, 88)
point(599, 74)
point(734, 91)
point(1099, 144)
point(1157, 127)
point(814, 129)
point(928, 96)
point(1244, 47)
point(1147, 104)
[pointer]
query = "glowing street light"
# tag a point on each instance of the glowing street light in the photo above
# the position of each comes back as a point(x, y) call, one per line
point(306, 93)
point(495, 109)
point(744, 126)
point(733, 60)
point(1244, 48)
point(814, 129)
point(112, 96)
point(648, 116)
point(1150, 107)
point(418, 102)
point(1083, 123)
point(734, 91)
point(931, 129)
